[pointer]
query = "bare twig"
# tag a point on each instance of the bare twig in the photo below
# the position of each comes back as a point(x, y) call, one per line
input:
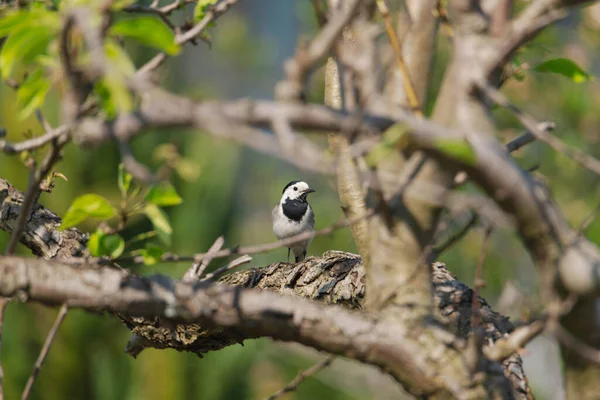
point(517, 339)
point(35, 143)
point(213, 13)
point(411, 94)
point(233, 264)
point(293, 385)
point(257, 248)
point(40, 360)
point(3, 304)
point(479, 282)
point(584, 350)
point(33, 191)
point(534, 126)
point(198, 266)
point(138, 170)
point(298, 67)
point(588, 219)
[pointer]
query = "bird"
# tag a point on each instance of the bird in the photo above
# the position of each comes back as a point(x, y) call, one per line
point(293, 215)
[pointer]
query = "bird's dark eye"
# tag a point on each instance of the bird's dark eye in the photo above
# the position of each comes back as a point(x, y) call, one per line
point(295, 188)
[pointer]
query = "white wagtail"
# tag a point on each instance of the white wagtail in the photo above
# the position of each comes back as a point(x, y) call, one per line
point(293, 215)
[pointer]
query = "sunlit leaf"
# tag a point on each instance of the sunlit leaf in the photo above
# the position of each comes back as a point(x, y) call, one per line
point(163, 195)
point(118, 58)
point(458, 149)
point(565, 67)
point(88, 205)
point(187, 169)
point(94, 243)
point(112, 245)
point(152, 254)
point(101, 244)
point(201, 8)
point(160, 221)
point(11, 20)
point(22, 46)
point(124, 180)
point(147, 30)
point(393, 137)
point(32, 93)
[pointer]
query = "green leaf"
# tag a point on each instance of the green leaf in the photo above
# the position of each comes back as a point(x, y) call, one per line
point(565, 67)
point(160, 221)
point(163, 195)
point(101, 244)
point(112, 245)
point(118, 58)
point(457, 149)
point(94, 243)
point(393, 137)
point(29, 33)
point(147, 30)
point(88, 205)
point(11, 20)
point(22, 47)
point(152, 254)
point(124, 180)
point(201, 8)
point(32, 93)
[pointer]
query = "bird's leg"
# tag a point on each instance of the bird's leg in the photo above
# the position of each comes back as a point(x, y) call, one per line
point(288, 260)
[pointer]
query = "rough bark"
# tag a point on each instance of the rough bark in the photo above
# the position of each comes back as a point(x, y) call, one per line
point(417, 356)
point(40, 234)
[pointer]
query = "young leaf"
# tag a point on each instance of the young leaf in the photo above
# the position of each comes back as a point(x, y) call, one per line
point(163, 195)
point(565, 67)
point(101, 244)
point(147, 30)
point(88, 205)
point(123, 180)
point(11, 20)
point(112, 245)
point(118, 58)
point(160, 221)
point(151, 254)
point(32, 93)
point(94, 244)
point(201, 8)
point(22, 46)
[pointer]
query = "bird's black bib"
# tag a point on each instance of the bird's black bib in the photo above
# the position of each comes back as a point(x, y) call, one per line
point(294, 209)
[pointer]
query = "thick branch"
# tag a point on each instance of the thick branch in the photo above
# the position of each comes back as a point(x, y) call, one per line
point(397, 348)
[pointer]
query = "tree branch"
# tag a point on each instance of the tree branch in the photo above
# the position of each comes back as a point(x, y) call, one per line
point(252, 313)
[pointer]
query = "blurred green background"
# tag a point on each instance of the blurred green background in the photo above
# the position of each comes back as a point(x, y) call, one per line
point(232, 195)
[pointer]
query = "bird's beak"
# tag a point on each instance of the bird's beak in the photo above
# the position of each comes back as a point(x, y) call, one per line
point(307, 191)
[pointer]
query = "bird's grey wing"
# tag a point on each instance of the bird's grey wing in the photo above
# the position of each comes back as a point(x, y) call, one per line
point(311, 218)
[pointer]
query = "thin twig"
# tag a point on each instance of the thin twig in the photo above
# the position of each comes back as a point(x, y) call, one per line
point(213, 13)
point(588, 219)
point(411, 94)
point(533, 126)
point(517, 339)
point(197, 269)
point(40, 360)
point(479, 282)
point(293, 385)
point(584, 350)
point(438, 249)
point(256, 249)
point(33, 191)
point(137, 170)
point(3, 304)
point(233, 264)
point(35, 143)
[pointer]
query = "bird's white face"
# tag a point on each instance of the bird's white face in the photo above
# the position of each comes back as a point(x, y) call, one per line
point(296, 190)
